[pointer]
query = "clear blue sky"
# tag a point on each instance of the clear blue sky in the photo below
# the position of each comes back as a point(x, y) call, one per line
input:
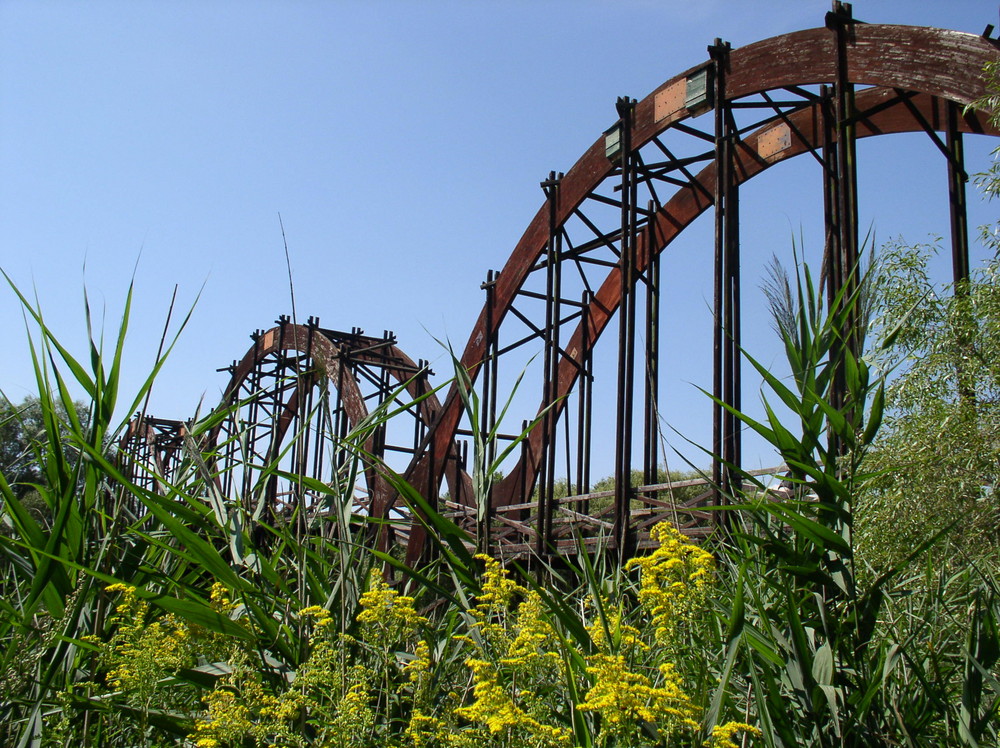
point(401, 142)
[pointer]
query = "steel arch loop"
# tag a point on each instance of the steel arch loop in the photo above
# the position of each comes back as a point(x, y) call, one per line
point(926, 67)
point(690, 203)
point(232, 443)
point(280, 372)
point(150, 452)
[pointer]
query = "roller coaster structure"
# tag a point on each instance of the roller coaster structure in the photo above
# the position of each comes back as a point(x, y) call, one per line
point(589, 263)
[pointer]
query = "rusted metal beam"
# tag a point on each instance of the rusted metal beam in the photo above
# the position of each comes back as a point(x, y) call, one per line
point(944, 64)
point(958, 210)
point(689, 203)
point(626, 332)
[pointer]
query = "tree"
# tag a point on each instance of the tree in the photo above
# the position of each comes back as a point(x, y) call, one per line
point(937, 460)
point(677, 494)
point(22, 433)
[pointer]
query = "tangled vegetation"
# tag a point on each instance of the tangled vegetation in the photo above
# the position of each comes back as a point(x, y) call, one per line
point(134, 617)
point(145, 627)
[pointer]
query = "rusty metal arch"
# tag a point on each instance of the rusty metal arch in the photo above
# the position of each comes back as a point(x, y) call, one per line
point(280, 373)
point(688, 204)
point(919, 79)
point(150, 452)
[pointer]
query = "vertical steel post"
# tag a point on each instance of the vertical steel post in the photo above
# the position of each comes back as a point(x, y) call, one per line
point(626, 335)
point(831, 199)
point(278, 378)
point(718, 275)
point(522, 478)
point(846, 152)
point(547, 465)
point(301, 446)
point(524, 487)
point(957, 178)
point(484, 508)
point(555, 271)
point(385, 386)
point(652, 370)
point(844, 262)
point(581, 397)
point(726, 338)
point(733, 449)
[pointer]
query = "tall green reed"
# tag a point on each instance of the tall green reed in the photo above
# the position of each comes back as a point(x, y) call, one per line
point(791, 638)
point(809, 641)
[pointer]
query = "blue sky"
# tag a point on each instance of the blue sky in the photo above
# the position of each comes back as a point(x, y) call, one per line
point(401, 142)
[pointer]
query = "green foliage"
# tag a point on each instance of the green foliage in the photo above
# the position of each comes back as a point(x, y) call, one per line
point(174, 623)
point(989, 181)
point(679, 494)
point(23, 441)
point(935, 462)
point(935, 459)
point(831, 658)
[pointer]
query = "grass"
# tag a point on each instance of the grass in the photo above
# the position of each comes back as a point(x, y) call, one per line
point(182, 621)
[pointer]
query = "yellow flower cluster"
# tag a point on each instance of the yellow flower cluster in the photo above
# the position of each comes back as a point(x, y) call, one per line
point(722, 735)
point(612, 634)
point(320, 616)
point(534, 645)
point(517, 665)
point(330, 691)
point(625, 699)
point(387, 618)
point(494, 707)
point(628, 691)
point(498, 589)
point(228, 720)
point(353, 720)
point(522, 685)
point(673, 582)
point(423, 730)
point(220, 600)
point(492, 704)
point(141, 654)
point(417, 668)
point(241, 707)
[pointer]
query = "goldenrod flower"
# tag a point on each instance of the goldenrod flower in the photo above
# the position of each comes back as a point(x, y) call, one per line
point(220, 600)
point(618, 635)
point(625, 699)
point(673, 580)
point(494, 707)
point(141, 654)
point(387, 618)
point(498, 589)
point(722, 735)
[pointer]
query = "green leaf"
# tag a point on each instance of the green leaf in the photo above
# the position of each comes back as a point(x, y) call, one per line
point(817, 533)
point(822, 666)
point(874, 416)
point(202, 615)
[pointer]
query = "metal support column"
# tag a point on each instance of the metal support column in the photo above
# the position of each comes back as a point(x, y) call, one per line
point(726, 386)
point(484, 509)
point(732, 450)
point(553, 312)
point(585, 387)
point(626, 335)
point(831, 241)
point(957, 179)
point(651, 377)
point(844, 260)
